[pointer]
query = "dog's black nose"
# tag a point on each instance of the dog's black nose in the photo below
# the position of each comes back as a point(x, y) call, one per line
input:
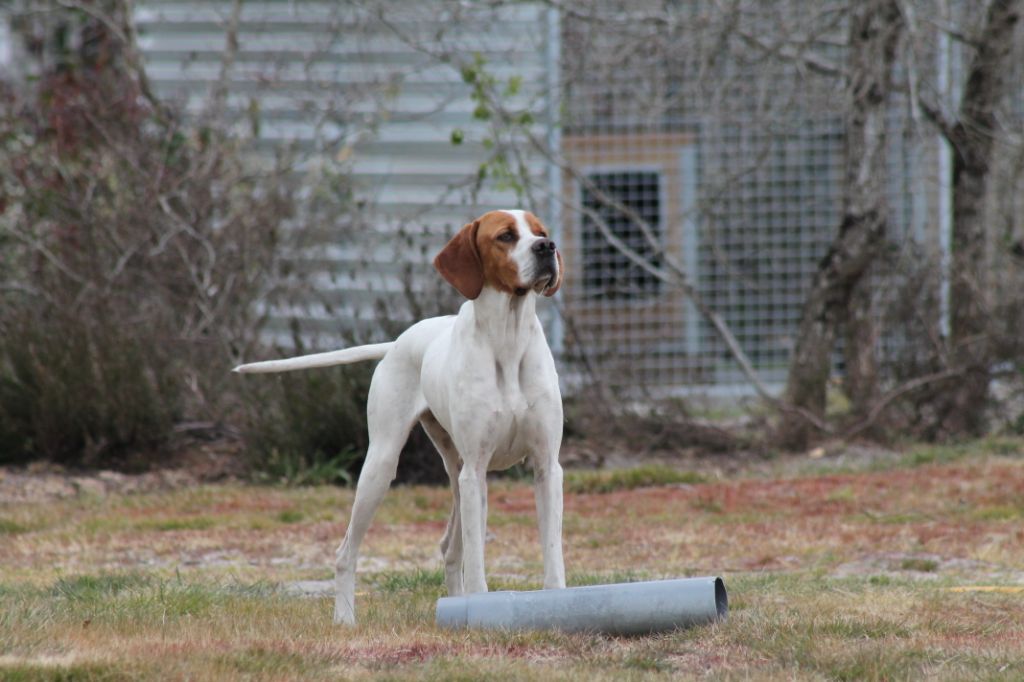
point(544, 247)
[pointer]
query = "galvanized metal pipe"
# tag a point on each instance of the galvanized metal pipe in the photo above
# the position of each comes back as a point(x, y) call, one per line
point(619, 609)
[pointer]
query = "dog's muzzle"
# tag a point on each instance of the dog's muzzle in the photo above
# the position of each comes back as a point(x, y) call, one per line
point(545, 269)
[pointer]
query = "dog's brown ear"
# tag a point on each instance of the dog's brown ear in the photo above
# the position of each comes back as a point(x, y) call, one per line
point(459, 262)
point(550, 290)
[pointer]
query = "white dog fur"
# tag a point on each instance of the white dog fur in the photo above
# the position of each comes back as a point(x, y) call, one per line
point(483, 385)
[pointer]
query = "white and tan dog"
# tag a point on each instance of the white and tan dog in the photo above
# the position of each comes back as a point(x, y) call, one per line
point(483, 385)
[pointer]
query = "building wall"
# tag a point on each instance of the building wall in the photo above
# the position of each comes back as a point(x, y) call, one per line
point(744, 148)
point(369, 99)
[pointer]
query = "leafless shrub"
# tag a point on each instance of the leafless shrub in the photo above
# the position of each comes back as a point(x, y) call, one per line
point(134, 248)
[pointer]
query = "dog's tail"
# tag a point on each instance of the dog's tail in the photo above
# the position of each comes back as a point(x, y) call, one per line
point(346, 356)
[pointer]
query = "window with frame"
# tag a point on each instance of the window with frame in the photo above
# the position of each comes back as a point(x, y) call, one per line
point(607, 272)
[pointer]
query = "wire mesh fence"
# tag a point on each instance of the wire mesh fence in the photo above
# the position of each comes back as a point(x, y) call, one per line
point(711, 143)
point(736, 169)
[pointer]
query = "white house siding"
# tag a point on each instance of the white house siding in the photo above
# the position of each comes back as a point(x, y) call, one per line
point(365, 91)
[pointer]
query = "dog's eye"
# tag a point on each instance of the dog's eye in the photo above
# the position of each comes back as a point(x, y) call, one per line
point(507, 237)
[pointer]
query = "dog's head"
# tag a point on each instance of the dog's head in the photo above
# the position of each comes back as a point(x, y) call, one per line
point(507, 250)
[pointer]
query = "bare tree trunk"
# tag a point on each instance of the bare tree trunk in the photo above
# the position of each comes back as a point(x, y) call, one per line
point(971, 137)
point(875, 28)
point(860, 354)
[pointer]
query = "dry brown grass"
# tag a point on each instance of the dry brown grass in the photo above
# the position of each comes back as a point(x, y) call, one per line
point(836, 575)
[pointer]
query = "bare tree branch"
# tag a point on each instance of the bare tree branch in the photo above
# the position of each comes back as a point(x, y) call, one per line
point(954, 32)
point(937, 117)
point(812, 61)
point(898, 392)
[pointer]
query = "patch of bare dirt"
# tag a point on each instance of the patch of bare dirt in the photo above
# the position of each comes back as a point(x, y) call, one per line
point(923, 566)
point(41, 481)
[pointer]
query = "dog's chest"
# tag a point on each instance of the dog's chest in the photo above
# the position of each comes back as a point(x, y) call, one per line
point(516, 423)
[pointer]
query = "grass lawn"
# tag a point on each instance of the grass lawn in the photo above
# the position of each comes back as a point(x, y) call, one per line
point(906, 567)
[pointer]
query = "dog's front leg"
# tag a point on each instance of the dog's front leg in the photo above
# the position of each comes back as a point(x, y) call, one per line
point(547, 489)
point(473, 505)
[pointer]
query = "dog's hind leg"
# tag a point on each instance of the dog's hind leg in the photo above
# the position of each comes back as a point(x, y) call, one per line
point(391, 411)
point(451, 543)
